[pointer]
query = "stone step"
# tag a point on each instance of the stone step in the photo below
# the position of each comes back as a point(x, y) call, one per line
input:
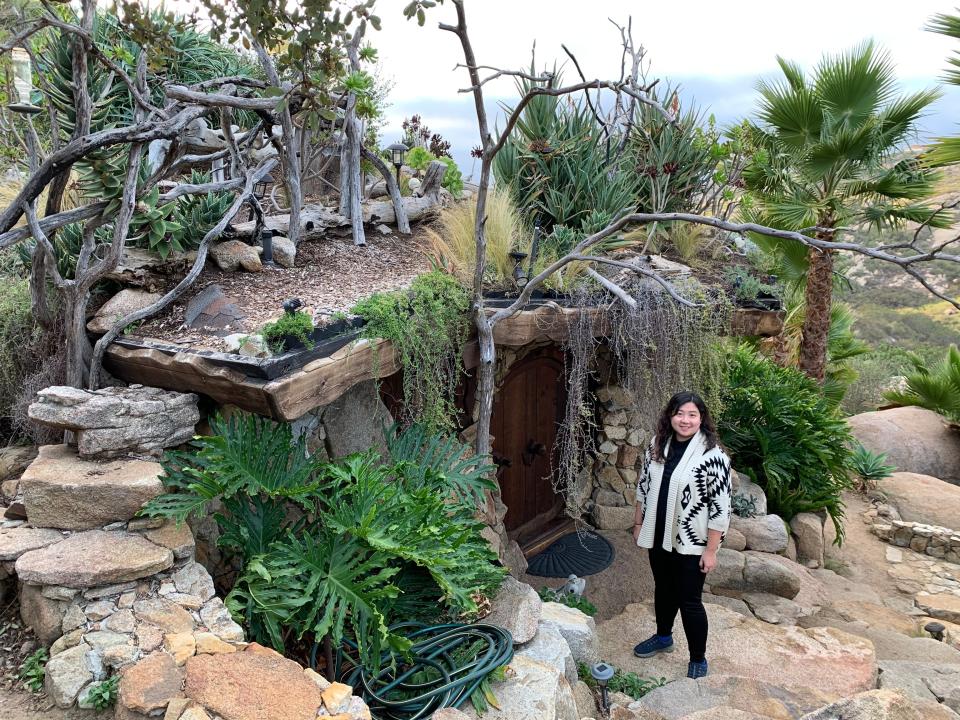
point(92, 558)
point(63, 490)
point(14, 542)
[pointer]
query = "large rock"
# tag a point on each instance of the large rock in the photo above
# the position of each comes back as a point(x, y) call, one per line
point(62, 490)
point(151, 684)
point(807, 529)
point(548, 646)
point(727, 695)
point(13, 461)
point(930, 681)
point(178, 538)
point(743, 485)
point(924, 499)
point(765, 574)
point(213, 311)
point(825, 659)
point(766, 533)
point(915, 440)
point(284, 252)
point(119, 306)
point(532, 691)
point(354, 422)
point(576, 627)
point(92, 558)
point(117, 421)
point(66, 673)
point(517, 609)
point(605, 517)
point(880, 705)
point(233, 255)
point(164, 614)
point(943, 606)
point(14, 542)
point(252, 686)
point(43, 615)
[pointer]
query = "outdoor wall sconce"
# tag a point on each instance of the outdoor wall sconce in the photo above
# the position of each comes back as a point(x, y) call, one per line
point(602, 672)
point(397, 153)
point(519, 275)
point(22, 82)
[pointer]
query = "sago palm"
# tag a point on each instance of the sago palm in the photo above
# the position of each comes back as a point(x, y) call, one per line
point(832, 154)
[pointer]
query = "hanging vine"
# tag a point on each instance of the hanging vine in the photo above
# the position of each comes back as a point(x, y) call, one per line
point(662, 347)
point(427, 325)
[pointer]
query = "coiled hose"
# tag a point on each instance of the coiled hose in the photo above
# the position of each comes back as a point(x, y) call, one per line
point(435, 677)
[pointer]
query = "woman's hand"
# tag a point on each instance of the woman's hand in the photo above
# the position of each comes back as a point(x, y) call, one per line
point(636, 532)
point(708, 561)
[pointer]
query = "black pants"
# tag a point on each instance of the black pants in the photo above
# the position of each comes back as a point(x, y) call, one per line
point(679, 586)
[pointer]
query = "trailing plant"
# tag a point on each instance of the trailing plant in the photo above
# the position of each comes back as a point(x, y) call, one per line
point(453, 246)
point(297, 324)
point(196, 214)
point(33, 671)
point(786, 436)
point(427, 325)
point(744, 506)
point(104, 694)
point(341, 549)
point(869, 466)
point(935, 387)
point(569, 599)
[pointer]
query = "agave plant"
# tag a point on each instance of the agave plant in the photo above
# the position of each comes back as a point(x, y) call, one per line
point(869, 466)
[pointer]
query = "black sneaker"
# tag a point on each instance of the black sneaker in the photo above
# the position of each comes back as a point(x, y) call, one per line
point(653, 645)
point(697, 669)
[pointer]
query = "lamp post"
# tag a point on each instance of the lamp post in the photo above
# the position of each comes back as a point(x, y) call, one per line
point(519, 276)
point(397, 152)
point(22, 82)
point(266, 242)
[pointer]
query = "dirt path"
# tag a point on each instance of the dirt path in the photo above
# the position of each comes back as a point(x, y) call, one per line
point(21, 705)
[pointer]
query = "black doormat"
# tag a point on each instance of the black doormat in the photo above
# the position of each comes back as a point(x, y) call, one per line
point(577, 554)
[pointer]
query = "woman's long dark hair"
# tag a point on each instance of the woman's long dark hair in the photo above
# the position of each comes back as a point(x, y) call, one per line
point(665, 430)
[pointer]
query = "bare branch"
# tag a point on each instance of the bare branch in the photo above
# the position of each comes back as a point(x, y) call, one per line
point(252, 177)
point(184, 94)
point(547, 78)
point(613, 288)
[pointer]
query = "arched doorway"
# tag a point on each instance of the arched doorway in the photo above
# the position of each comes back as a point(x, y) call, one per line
point(527, 412)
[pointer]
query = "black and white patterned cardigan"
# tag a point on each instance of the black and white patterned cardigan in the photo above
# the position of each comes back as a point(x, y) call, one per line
point(698, 500)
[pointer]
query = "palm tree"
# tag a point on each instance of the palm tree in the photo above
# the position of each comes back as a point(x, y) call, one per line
point(946, 151)
point(831, 154)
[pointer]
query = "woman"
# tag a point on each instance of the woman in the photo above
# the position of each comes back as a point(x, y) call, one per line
point(682, 513)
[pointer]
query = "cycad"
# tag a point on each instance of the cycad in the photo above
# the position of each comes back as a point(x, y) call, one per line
point(830, 156)
point(936, 388)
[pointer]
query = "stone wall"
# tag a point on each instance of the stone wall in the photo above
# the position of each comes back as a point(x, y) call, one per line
point(933, 540)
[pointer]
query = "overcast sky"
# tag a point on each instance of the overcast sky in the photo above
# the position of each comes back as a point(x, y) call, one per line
point(715, 51)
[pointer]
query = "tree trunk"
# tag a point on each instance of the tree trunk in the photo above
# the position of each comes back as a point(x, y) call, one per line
point(78, 344)
point(403, 223)
point(816, 323)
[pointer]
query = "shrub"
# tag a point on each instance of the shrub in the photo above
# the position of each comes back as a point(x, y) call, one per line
point(744, 506)
point(453, 245)
point(569, 599)
point(297, 325)
point(419, 158)
point(428, 325)
point(452, 178)
point(337, 549)
point(783, 433)
point(935, 388)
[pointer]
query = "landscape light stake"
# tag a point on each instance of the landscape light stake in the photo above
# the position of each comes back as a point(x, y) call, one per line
point(519, 276)
point(935, 629)
point(397, 153)
point(602, 672)
point(266, 242)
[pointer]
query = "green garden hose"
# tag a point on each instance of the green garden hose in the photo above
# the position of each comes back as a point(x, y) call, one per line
point(448, 663)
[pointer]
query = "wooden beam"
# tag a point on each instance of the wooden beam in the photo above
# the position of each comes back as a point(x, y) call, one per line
point(324, 380)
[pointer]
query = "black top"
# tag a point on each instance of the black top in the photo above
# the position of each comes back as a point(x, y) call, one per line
point(674, 454)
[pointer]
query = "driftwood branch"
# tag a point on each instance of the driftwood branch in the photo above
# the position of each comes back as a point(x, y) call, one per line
point(403, 222)
point(252, 177)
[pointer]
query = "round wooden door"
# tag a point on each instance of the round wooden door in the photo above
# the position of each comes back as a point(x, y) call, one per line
point(527, 413)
